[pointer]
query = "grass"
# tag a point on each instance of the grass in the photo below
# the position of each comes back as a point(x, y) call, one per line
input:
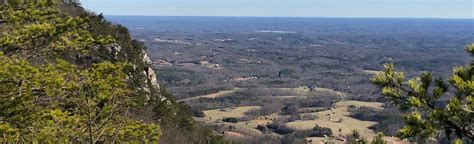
point(243, 129)
point(347, 125)
point(305, 91)
point(214, 95)
point(284, 93)
point(218, 114)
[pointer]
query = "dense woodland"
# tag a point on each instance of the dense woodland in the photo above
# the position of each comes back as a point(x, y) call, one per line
point(325, 52)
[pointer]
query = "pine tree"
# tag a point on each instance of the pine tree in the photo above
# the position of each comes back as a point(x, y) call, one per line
point(53, 86)
point(430, 109)
point(378, 139)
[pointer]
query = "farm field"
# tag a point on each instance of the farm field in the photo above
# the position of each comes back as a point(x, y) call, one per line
point(211, 96)
point(219, 114)
point(331, 118)
point(299, 92)
point(336, 118)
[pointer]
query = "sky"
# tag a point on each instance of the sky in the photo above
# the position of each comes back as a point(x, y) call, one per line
point(287, 8)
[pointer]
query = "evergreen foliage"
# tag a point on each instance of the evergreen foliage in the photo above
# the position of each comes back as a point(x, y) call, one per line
point(356, 138)
point(432, 108)
point(378, 139)
point(58, 85)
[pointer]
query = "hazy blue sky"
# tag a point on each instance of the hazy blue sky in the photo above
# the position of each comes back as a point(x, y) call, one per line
point(287, 8)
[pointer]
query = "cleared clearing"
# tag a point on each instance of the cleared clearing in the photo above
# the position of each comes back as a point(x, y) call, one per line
point(235, 135)
point(305, 91)
point(262, 120)
point(295, 93)
point(289, 97)
point(219, 114)
point(246, 129)
point(340, 112)
point(214, 95)
point(337, 119)
point(301, 91)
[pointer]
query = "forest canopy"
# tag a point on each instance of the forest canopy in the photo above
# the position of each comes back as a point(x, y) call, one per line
point(59, 82)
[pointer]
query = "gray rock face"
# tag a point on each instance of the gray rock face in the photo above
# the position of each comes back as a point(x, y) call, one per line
point(146, 59)
point(113, 50)
point(152, 78)
point(150, 73)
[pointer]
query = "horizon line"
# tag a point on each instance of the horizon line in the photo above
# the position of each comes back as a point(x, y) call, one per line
point(348, 17)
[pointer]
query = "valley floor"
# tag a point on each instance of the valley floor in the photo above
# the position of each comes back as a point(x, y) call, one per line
point(337, 118)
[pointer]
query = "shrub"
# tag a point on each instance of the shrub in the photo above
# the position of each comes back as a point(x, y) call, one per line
point(198, 113)
point(231, 120)
point(294, 117)
point(290, 109)
point(320, 132)
point(263, 128)
point(279, 128)
point(367, 114)
point(266, 109)
point(317, 103)
point(310, 117)
point(351, 107)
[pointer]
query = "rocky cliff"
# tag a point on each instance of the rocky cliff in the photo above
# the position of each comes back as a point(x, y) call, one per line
point(175, 118)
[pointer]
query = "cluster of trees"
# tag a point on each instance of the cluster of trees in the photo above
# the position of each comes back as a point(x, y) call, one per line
point(367, 114)
point(356, 138)
point(231, 120)
point(280, 128)
point(55, 86)
point(319, 131)
point(67, 75)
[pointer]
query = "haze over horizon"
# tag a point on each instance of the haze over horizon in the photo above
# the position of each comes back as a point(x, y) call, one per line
point(282, 8)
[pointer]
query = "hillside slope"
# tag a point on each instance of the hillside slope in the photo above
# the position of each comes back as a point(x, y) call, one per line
point(68, 75)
